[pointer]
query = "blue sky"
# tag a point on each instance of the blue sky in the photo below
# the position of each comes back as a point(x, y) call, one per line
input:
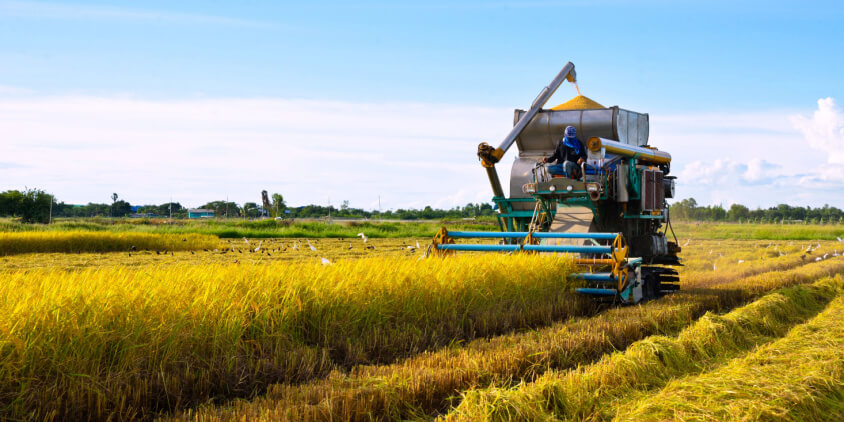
point(726, 81)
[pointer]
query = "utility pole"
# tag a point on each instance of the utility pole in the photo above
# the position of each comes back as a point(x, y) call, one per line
point(329, 209)
point(52, 198)
point(170, 207)
point(379, 207)
point(227, 206)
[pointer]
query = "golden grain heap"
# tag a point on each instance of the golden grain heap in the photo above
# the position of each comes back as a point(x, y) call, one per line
point(579, 102)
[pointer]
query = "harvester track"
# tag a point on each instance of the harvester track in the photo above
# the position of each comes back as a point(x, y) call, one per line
point(659, 281)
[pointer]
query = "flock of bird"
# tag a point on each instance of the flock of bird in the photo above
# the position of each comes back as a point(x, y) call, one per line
point(295, 246)
point(806, 252)
point(411, 248)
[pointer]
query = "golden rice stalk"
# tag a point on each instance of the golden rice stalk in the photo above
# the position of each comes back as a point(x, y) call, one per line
point(797, 378)
point(428, 383)
point(587, 393)
point(86, 241)
point(114, 342)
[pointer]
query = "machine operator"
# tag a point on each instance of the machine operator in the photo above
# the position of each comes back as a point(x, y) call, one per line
point(569, 155)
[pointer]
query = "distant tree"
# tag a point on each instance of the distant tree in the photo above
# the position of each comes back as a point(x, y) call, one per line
point(121, 208)
point(737, 212)
point(251, 210)
point(177, 208)
point(94, 210)
point(278, 205)
point(10, 202)
point(31, 205)
point(113, 200)
point(221, 207)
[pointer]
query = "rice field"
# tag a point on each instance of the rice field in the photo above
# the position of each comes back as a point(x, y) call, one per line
point(305, 328)
point(81, 241)
point(593, 391)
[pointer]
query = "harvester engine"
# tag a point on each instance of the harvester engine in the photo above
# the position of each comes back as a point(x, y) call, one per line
point(613, 216)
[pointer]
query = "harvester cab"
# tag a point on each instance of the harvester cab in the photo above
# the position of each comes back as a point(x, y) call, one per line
point(613, 217)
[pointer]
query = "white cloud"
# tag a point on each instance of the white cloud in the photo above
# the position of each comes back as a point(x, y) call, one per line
point(412, 155)
point(716, 172)
point(729, 172)
point(756, 158)
point(759, 170)
point(824, 131)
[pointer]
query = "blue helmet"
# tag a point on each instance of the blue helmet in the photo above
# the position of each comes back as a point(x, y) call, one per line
point(570, 132)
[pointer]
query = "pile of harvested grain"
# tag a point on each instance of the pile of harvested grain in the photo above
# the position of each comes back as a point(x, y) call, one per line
point(578, 103)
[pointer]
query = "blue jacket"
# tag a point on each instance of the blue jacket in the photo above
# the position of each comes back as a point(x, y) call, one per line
point(568, 149)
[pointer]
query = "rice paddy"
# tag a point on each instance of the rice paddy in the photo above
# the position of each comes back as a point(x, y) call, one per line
point(304, 328)
point(592, 391)
point(796, 378)
point(80, 241)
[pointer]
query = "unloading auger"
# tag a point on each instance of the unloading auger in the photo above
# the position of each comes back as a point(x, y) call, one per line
point(615, 210)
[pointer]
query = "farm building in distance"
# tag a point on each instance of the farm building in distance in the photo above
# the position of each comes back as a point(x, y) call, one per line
point(200, 213)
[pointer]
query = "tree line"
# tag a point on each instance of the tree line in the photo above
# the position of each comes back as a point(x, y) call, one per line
point(688, 209)
point(37, 206)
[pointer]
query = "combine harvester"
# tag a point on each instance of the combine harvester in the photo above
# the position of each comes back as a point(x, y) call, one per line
point(614, 218)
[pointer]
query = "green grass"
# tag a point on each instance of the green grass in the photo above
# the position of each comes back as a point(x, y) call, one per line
point(733, 231)
point(236, 228)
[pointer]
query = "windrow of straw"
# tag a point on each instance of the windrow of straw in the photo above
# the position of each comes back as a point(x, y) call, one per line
point(589, 392)
point(426, 384)
point(122, 342)
point(797, 378)
point(84, 241)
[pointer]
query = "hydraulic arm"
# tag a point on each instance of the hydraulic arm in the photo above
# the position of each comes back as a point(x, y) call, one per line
point(489, 155)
